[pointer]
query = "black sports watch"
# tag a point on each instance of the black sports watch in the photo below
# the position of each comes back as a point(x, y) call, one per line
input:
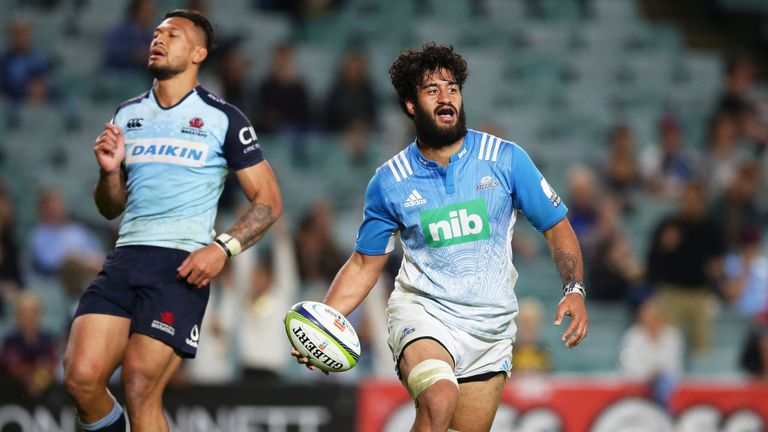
point(574, 287)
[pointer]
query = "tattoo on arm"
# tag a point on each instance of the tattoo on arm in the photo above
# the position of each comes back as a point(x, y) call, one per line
point(252, 225)
point(566, 264)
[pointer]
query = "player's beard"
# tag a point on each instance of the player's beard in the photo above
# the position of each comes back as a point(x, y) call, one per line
point(435, 136)
point(164, 72)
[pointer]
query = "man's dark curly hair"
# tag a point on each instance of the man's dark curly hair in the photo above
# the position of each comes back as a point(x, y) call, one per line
point(407, 72)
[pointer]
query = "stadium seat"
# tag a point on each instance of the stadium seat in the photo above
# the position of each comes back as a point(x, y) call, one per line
point(723, 361)
point(616, 11)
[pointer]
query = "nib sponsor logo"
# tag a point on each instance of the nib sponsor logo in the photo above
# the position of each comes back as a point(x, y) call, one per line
point(456, 223)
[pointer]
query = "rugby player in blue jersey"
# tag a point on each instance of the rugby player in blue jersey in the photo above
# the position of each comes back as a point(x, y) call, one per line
point(162, 163)
point(452, 197)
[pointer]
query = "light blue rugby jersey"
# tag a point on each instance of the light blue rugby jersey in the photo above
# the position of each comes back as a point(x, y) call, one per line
point(176, 161)
point(456, 226)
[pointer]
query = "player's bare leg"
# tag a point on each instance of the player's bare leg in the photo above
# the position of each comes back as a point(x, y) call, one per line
point(95, 348)
point(148, 365)
point(478, 403)
point(436, 405)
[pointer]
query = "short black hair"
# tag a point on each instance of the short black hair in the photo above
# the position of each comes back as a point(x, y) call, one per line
point(407, 72)
point(199, 20)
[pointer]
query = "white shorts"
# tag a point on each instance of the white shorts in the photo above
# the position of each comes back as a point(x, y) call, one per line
point(474, 357)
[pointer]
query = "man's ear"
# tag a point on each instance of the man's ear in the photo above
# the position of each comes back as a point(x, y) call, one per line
point(201, 53)
point(410, 107)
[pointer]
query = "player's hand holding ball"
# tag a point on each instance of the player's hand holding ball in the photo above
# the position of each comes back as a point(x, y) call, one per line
point(109, 148)
point(322, 338)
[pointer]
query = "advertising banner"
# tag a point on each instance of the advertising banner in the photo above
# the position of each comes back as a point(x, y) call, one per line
point(546, 404)
point(233, 408)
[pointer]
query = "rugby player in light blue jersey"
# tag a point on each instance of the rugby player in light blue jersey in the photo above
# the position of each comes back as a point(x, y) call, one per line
point(452, 196)
point(162, 162)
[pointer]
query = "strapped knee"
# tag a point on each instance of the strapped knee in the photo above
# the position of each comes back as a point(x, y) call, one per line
point(427, 373)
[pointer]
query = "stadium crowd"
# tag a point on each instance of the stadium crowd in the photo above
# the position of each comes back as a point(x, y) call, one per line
point(705, 255)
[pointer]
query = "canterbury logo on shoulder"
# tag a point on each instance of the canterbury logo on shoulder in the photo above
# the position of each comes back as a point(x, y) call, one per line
point(456, 223)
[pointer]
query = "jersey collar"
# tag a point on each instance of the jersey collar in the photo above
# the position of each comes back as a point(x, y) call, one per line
point(152, 95)
point(459, 155)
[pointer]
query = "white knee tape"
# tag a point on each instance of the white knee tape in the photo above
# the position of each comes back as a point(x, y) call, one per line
point(427, 373)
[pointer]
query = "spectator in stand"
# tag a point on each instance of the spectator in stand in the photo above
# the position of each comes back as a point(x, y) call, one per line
point(351, 101)
point(754, 357)
point(740, 98)
point(615, 273)
point(666, 168)
point(29, 354)
point(583, 207)
point(10, 268)
point(282, 103)
point(530, 354)
point(620, 171)
point(56, 238)
point(24, 71)
point(746, 274)
point(46, 5)
point(739, 84)
point(298, 11)
point(723, 154)
point(127, 42)
point(652, 351)
point(232, 70)
point(274, 286)
point(318, 256)
point(685, 260)
point(736, 208)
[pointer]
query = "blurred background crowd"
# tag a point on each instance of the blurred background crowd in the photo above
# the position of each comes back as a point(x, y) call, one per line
point(649, 117)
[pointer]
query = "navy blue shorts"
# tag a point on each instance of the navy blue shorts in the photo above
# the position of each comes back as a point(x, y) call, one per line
point(139, 282)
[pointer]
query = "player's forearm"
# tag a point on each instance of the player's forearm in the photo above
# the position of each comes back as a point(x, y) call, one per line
point(353, 282)
point(565, 251)
point(252, 225)
point(110, 194)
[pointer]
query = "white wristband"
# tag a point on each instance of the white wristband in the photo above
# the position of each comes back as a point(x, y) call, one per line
point(574, 287)
point(231, 245)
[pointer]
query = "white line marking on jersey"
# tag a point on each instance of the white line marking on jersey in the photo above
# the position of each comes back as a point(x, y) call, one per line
point(482, 146)
point(394, 171)
point(406, 164)
point(496, 150)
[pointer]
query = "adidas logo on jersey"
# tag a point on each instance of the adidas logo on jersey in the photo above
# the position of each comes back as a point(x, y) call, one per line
point(414, 199)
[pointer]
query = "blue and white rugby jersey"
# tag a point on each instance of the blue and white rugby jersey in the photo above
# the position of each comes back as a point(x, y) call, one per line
point(456, 225)
point(176, 161)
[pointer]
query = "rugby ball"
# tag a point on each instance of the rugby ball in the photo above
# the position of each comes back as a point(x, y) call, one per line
point(322, 334)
